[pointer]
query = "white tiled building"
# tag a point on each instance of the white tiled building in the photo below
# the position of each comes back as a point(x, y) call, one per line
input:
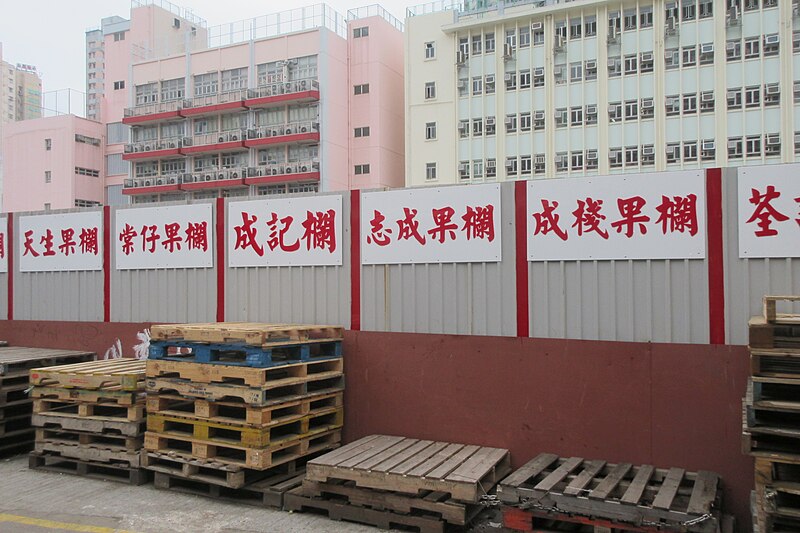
point(508, 90)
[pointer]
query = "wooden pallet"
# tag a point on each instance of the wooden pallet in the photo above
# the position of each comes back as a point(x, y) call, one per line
point(93, 424)
point(95, 440)
point(50, 462)
point(777, 363)
point(241, 354)
point(765, 335)
point(90, 453)
point(239, 413)
point(255, 458)
point(336, 509)
point(15, 360)
point(777, 483)
point(771, 307)
point(15, 409)
point(212, 432)
point(132, 413)
point(13, 393)
point(268, 395)
point(101, 396)
point(12, 425)
point(615, 492)
point(119, 374)
point(248, 332)
point(244, 375)
point(410, 465)
point(18, 436)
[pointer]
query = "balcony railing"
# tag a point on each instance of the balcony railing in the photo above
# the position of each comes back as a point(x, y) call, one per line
point(285, 87)
point(218, 98)
point(285, 169)
point(278, 130)
point(153, 181)
point(218, 137)
point(154, 108)
point(157, 144)
point(211, 175)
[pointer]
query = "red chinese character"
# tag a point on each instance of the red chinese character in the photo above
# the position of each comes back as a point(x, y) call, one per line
point(409, 226)
point(246, 235)
point(679, 212)
point(379, 234)
point(68, 246)
point(47, 240)
point(479, 222)
point(29, 244)
point(276, 235)
point(88, 239)
point(444, 225)
point(172, 240)
point(764, 211)
point(547, 220)
point(126, 237)
point(796, 200)
point(631, 211)
point(320, 230)
point(151, 239)
point(588, 217)
point(2, 245)
point(197, 236)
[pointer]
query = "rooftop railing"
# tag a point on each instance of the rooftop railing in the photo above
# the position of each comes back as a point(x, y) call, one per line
point(172, 8)
point(465, 8)
point(374, 10)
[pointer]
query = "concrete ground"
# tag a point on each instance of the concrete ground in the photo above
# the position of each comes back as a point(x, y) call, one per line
point(45, 502)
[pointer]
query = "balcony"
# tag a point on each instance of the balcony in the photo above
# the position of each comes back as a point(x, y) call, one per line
point(230, 101)
point(295, 132)
point(152, 184)
point(223, 141)
point(215, 178)
point(153, 112)
point(155, 149)
point(277, 94)
point(272, 172)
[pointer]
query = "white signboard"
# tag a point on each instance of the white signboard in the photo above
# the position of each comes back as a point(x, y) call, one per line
point(769, 211)
point(436, 225)
point(4, 244)
point(177, 236)
point(65, 242)
point(285, 232)
point(636, 216)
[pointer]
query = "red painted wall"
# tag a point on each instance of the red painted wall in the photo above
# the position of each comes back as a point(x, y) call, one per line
point(661, 404)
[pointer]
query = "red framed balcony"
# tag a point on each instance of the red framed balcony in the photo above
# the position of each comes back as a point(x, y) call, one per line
point(277, 94)
point(223, 141)
point(297, 132)
point(230, 102)
point(156, 149)
point(153, 112)
point(215, 178)
point(283, 172)
point(152, 184)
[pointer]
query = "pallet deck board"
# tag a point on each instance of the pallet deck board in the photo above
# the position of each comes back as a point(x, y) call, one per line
point(120, 374)
point(244, 375)
point(16, 359)
point(249, 332)
point(105, 471)
point(610, 482)
point(98, 425)
point(245, 355)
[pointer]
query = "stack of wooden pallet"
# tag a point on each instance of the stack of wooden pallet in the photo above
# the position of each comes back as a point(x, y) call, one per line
point(90, 419)
point(550, 492)
point(235, 409)
point(16, 433)
point(389, 481)
point(771, 416)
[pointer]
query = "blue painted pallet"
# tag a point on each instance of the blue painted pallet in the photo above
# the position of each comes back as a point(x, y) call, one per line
point(241, 354)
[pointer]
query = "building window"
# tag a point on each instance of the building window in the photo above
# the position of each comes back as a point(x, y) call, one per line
point(81, 171)
point(205, 84)
point(689, 56)
point(614, 67)
point(362, 169)
point(430, 90)
point(361, 132)
point(733, 49)
point(172, 89)
point(539, 164)
point(646, 17)
point(490, 125)
point(576, 72)
point(630, 20)
point(750, 5)
point(672, 58)
point(690, 151)
point(477, 127)
point(752, 48)
point(796, 90)
point(631, 64)
point(689, 104)
point(707, 102)
point(430, 131)
point(477, 42)
point(463, 128)
point(511, 81)
point(488, 43)
point(772, 45)
point(511, 38)
point(648, 155)
point(672, 105)
point(538, 120)
point(360, 32)
point(708, 150)
point(590, 26)
point(85, 203)
point(86, 140)
point(47, 206)
point(646, 62)
point(430, 171)
point(591, 114)
point(734, 97)
point(753, 146)
point(590, 70)
point(673, 152)
point(361, 89)
point(631, 156)
point(647, 109)
point(430, 50)
point(615, 112)
point(119, 36)
point(463, 170)
point(463, 87)
point(772, 94)
point(119, 85)
point(477, 85)
point(576, 159)
point(538, 77)
point(524, 122)
point(489, 85)
point(797, 142)
point(706, 8)
point(734, 148)
point(575, 28)
point(491, 168)
point(562, 162)
point(525, 79)
point(576, 116)
point(772, 144)
point(561, 117)
point(796, 42)
point(752, 96)
point(614, 23)
point(477, 168)
point(706, 53)
point(511, 123)
point(511, 166)
point(524, 36)
point(48, 176)
point(538, 33)
point(48, 144)
point(525, 165)
point(463, 46)
point(615, 158)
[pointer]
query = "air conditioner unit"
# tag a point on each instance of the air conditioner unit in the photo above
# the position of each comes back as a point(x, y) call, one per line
point(707, 97)
point(186, 141)
point(147, 148)
point(558, 72)
point(671, 26)
point(147, 183)
point(732, 19)
point(647, 56)
point(507, 76)
point(234, 175)
point(173, 144)
point(539, 159)
point(491, 164)
point(222, 175)
point(707, 48)
point(536, 26)
point(708, 145)
point(648, 150)
point(208, 177)
point(289, 170)
point(462, 84)
point(304, 168)
point(508, 51)
point(304, 128)
point(538, 71)
point(509, 167)
point(773, 140)
point(288, 87)
point(591, 156)
point(771, 39)
point(172, 180)
point(590, 65)
point(222, 138)
point(772, 89)
point(612, 109)
point(508, 120)
point(273, 132)
point(732, 144)
point(233, 136)
point(612, 34)
point(730, 46)
point(490, 121)
point(732, 94)
point(461, 57)
point(463, 167)
point(538, 115)
point(288, 130)
point(252, 134)
point(559, 42)
point(612, 62)
point(303, 85)
point(128, 148)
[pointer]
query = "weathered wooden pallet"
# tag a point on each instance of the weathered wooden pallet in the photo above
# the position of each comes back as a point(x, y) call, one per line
point(239, 413)
point(132, 413)
point(771, 307)
point(240, 354)
point(248, 332)
point(774, 393)
point(119, 374)
point(410, 465)
point(765, 335)
point(9, 426)
point(13, 379)
point(97, 425)
point(438, 505)
point(337, 509)
point(268, 395)
point(11, 438)
point(95, 440)
point(15, 446)
point(15, 360)
point(15, 409)
point(255, 458)
point(100, 396)
point(777, 363)
point(50, 462)
point(13, 393)
point(244, 375)
point(615, 492)
point(777, 483)
point(90, 453)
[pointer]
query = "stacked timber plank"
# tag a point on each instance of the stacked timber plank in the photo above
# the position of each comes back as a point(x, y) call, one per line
point(771, 416)
point(389, 481)
point(16, 432)
point(235, 409)
point(550, 491)
point(89, 419)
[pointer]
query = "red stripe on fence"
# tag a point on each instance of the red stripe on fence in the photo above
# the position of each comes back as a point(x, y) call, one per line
point(521, 227)
point(9, 248)
point(716, 257)
point(220, 259)
point(106, 263)
point(355, 260)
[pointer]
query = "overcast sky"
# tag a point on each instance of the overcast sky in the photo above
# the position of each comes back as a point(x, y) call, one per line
point(50, 34)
